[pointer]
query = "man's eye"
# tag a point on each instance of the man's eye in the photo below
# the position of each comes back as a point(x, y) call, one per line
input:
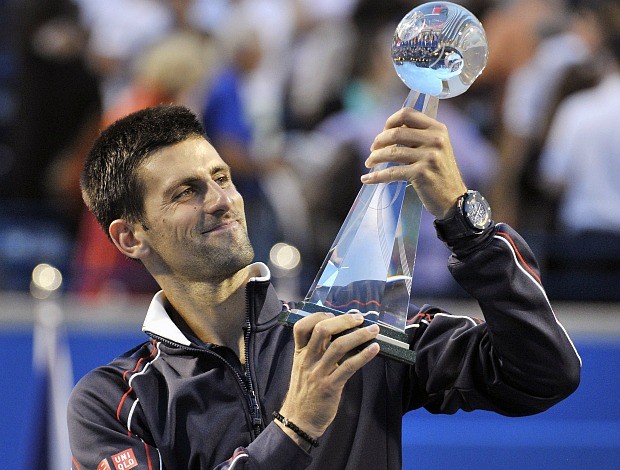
point(185, 193)
point(222, 180)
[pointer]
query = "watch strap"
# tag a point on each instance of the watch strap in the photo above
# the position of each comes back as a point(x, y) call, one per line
point(456, 226)
point(453, 228)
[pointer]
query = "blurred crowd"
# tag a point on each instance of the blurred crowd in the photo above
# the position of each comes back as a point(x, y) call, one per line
point(291, 94)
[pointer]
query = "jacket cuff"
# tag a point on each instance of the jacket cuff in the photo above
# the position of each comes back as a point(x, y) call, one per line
point(274, 449)
point(464, 246)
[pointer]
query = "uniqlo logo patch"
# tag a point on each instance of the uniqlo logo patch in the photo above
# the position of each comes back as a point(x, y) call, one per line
point(124, 460)
point(104, 465)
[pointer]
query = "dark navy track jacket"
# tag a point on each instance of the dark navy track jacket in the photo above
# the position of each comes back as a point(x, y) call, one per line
point(176, 403)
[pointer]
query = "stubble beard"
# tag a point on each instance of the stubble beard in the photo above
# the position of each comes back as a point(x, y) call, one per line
point(223, 263)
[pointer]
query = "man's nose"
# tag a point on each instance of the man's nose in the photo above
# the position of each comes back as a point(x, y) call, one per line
point(217, 198)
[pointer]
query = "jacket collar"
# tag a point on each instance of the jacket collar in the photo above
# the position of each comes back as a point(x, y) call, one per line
point(158, 321)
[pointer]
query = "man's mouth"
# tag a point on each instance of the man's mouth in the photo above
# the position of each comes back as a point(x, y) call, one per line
point(222, 226)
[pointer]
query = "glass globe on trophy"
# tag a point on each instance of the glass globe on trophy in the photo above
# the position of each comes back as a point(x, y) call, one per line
point(438, 50)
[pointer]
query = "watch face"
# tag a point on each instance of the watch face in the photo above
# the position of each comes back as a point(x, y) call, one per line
point(477, 211)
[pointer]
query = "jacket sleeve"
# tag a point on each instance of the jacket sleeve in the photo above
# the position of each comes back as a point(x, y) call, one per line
point(101, 436)
point(272, 449)
point(519, 361)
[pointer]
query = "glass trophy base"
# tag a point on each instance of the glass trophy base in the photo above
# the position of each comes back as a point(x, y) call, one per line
point(394, 344)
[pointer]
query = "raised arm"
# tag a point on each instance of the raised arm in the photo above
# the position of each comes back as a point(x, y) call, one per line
point(521, 361)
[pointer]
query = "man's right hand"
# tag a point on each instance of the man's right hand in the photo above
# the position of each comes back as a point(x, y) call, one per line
point(321, 368)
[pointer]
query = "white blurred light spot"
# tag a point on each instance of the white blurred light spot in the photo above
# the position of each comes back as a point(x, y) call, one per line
point(284, 256)
point(46, 278)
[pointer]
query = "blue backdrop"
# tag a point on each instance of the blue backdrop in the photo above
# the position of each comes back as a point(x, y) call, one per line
point(581, 432)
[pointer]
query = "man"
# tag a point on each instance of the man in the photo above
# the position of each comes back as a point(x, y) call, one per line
point(583, 177)
point(203, 391)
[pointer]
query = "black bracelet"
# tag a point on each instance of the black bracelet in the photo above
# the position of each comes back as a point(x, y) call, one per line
point(305, 436)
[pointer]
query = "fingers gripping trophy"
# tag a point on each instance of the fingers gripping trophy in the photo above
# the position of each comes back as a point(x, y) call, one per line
point(438, 50)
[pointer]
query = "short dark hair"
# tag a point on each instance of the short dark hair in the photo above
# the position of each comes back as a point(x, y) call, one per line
point(110, 185)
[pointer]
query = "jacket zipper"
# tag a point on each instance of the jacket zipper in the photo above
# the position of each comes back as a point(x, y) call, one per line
point(248, 391)
point(257, 420)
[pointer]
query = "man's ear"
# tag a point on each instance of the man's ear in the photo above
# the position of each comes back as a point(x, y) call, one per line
point(128, 239)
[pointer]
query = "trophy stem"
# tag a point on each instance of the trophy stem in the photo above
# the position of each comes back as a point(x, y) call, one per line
point(422, 102)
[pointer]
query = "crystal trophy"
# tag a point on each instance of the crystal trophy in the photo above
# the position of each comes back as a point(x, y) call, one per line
point(438, 50)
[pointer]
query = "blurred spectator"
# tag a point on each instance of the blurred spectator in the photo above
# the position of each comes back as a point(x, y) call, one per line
point(167, 73)
point(580, 162)
point(321, 61)
point(511, 27)
point(512, 30)
point(562, 58)
point(120, 30)
point(58, 106)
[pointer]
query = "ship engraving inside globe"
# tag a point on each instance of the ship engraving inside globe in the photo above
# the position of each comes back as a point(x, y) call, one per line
point(439, 48)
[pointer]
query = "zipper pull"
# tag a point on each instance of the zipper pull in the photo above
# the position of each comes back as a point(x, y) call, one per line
point(256, 419)
point(257, 422)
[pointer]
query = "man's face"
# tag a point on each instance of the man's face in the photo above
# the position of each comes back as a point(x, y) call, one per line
point(194, 214)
